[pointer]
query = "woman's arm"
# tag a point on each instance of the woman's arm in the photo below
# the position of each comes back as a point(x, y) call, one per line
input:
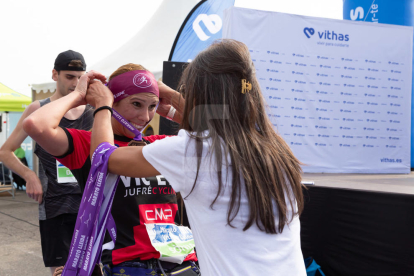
point(43, 124)
point(127, 161)
point(99, 95)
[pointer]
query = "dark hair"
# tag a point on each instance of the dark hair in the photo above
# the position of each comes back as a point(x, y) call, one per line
point(238, 126)
point(74, 63)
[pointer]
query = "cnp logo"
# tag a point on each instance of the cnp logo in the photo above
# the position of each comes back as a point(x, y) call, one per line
point(309, 32)
point(157, 213)
point(212, 22)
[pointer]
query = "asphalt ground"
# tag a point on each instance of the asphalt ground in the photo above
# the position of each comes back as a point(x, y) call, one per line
point(20, 250)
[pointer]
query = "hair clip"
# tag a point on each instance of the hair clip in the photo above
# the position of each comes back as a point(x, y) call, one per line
point(246, 86)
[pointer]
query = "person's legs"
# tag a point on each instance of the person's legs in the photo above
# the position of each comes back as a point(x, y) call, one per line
point(56, 236)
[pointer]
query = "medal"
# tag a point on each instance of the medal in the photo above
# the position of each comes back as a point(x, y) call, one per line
point(136, 143)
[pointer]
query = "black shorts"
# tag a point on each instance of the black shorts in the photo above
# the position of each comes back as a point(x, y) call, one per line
point(56, 236)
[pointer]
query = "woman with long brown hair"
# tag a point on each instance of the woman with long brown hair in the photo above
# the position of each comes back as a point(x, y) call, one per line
point(239, 179)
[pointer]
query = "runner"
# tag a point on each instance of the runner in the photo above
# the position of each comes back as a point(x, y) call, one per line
point(58, 198)
point(137, 201)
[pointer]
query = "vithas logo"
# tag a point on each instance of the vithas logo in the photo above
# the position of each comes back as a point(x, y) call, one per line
point(212, 22)
point(326, 34)
point(309, 32)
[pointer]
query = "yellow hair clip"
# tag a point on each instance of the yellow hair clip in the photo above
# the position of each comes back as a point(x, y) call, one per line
point(246, 86)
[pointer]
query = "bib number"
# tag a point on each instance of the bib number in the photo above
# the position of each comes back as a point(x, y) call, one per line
point(64, 175)
point(173, 242)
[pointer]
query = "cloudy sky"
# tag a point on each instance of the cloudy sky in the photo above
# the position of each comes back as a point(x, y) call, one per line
point(32, 33)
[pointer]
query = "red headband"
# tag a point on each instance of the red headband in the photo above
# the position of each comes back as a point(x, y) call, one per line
point(133, 82)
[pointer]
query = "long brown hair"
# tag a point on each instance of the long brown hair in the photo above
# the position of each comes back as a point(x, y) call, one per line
point(239, 127)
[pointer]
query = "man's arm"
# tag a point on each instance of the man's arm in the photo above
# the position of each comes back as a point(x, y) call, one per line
point(33, 185)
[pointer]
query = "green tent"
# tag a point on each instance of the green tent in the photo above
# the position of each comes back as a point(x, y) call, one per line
point(12, 101)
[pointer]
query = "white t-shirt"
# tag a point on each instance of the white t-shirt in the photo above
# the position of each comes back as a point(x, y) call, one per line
point(221, 249)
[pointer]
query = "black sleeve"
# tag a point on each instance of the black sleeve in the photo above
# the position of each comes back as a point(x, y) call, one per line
point(70, 141)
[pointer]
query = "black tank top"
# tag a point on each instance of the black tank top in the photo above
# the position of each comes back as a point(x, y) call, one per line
point(60, 198)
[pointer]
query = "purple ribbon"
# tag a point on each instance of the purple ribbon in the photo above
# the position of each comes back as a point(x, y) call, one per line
point(122, 120)
point(94, 216)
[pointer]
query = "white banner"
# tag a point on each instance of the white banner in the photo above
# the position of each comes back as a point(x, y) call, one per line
point(339, 92)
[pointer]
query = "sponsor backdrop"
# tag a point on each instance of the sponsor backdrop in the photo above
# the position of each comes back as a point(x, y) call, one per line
point(201, 27)
point(399, 12)
point(339, 92)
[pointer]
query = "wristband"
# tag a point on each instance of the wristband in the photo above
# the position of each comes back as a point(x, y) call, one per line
point(102, 108)
point(171, 113)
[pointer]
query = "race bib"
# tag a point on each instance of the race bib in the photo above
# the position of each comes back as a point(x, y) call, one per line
point(173, 242)
point(64, 175)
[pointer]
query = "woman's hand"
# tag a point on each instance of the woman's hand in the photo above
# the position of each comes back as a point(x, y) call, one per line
point(58, 271)
point(84, 83)
point(170, 98)
point(165, 99)
point(163, 109)
point(99, 95)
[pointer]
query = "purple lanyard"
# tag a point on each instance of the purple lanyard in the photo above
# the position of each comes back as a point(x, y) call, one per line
point(94, 215)
point(122, 120)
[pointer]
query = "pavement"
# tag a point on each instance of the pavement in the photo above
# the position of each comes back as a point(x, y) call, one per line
point(20, 249)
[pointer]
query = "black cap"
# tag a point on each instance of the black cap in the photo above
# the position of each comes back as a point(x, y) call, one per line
point(63, 59)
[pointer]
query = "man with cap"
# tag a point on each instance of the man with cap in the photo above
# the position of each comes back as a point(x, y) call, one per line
point(58, 194)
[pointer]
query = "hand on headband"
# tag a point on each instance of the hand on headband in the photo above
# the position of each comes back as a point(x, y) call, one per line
point(165, 99)
point(84, 82)
point(99, 95)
